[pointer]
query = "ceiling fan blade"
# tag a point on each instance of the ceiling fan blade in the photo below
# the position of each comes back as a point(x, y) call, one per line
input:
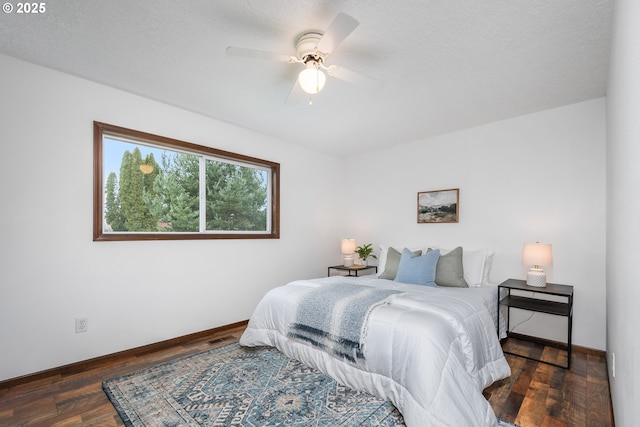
point(261, 54)
point(340, 28)
point(355, 78)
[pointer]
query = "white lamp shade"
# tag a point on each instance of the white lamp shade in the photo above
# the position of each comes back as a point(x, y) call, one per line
point(312, 79)
point(537, 254)
point(348, 246)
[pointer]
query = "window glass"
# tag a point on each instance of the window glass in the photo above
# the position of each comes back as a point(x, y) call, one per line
point(236, 197)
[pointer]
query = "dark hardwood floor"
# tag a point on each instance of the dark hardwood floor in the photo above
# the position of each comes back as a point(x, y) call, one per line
point(536, 394)
point(539, 394)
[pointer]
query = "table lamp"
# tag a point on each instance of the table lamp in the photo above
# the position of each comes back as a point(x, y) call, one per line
point(348, 248)
point(537, 255)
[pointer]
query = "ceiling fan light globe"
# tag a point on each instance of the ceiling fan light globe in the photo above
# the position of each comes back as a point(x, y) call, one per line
point(312, 80)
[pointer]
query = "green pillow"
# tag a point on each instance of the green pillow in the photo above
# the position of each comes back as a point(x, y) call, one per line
point(393, 261)
point(449, 270)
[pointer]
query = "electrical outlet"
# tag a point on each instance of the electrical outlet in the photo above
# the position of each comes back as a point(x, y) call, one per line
point(81, 325)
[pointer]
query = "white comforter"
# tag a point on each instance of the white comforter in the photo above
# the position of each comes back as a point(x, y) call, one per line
point(429, 351)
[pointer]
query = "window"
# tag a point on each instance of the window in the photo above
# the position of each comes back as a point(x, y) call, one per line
point(148, 187)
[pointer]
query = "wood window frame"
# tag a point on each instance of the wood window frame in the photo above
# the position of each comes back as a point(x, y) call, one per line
point(99, 131)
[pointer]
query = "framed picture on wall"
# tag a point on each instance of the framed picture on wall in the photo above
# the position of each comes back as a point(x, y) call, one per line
point(437, 207)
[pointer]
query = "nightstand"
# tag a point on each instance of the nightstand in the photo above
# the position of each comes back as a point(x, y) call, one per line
point(355, 269)
point(539, 305)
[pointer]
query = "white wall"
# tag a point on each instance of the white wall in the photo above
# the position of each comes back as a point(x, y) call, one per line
point(623, 213)
point(133, 293)
point(539, 177)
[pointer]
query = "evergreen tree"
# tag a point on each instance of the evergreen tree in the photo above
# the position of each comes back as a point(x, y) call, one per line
point(148, 177)
point(150, 221)
point(175, 198)
point(112, 215)
point(133, 181)
point(236, 198)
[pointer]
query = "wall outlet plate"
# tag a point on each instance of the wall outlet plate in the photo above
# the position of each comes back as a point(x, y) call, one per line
point(81, 325)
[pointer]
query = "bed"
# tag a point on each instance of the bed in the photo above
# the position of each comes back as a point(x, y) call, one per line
point(430, 350)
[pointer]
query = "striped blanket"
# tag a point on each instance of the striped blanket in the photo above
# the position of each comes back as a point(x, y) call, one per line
point(334, 317)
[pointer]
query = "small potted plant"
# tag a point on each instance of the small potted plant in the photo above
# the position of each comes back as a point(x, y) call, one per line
point(364, 252)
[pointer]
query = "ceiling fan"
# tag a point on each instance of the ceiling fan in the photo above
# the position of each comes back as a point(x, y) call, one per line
point(312, 50)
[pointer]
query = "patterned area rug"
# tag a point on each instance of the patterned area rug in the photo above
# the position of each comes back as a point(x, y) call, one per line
point(234, 385)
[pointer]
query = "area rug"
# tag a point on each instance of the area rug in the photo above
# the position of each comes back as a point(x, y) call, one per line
point(239, 386)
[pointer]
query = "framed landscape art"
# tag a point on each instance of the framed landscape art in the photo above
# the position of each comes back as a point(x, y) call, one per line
point(437, 207)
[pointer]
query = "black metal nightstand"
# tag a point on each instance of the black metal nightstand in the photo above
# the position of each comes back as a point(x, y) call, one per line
point(352, 269)
point(539, 305)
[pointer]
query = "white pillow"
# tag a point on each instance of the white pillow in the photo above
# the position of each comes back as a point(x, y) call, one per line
point(473, 266)
point(487, 267)
point(476, 266)
point(382, 259)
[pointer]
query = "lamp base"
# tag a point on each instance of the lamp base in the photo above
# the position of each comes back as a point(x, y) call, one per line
point(348, 261)
point(536, 277)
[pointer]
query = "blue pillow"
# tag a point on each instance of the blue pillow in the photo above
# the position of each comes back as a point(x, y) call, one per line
point(418, 270)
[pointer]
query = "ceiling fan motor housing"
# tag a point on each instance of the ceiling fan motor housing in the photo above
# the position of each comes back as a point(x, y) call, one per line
point(306, 47)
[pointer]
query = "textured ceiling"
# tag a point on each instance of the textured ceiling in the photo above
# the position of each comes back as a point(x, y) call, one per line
point(445, 65)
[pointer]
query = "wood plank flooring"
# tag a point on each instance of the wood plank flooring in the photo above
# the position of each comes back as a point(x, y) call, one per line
point(536, 394)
